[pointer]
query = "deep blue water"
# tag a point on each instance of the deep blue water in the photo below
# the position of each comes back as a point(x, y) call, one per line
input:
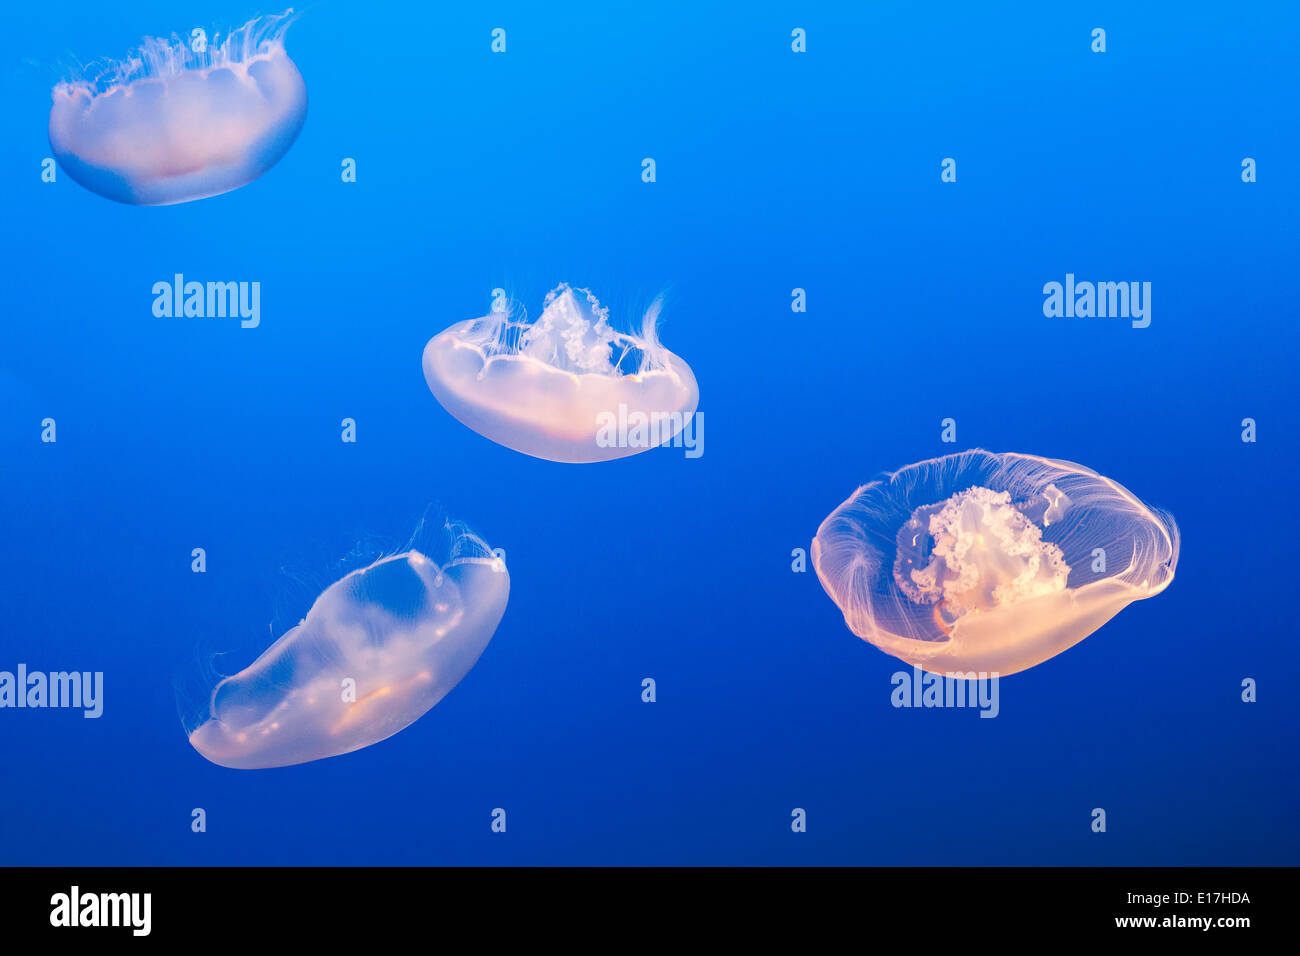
point(775, 170)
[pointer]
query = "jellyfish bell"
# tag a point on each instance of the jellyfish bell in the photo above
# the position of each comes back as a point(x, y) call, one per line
point(982, 562)
point(170, 124)
point(377, 650)
point(565, 386)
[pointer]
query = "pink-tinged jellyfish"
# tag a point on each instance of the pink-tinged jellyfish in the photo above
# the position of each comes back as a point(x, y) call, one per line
point(377, 650)
point(171, 123)
point(566, 387)
point(986, 562)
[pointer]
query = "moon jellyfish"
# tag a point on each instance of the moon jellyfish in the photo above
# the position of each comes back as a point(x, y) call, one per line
point(172, 123)
point(986, 562)
point(566, 387)
point(376, 651)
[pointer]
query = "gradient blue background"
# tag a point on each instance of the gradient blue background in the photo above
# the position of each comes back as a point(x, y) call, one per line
point(775, 171)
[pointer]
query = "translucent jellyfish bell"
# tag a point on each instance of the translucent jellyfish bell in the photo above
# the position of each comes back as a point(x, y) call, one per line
point(170, 124)
point(563, 387)
point(376, 651)
point(988, 562)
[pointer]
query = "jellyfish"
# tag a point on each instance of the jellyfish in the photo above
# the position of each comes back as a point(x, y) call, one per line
point(376, 651)
point(566, 387)
point(179, 120)
point(982, 562)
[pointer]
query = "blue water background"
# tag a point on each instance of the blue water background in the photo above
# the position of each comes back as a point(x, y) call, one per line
point(774, 171)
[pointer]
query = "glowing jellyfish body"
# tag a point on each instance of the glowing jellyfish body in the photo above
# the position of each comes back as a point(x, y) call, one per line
point(376, 651)
point(566, 387)
point(170, 124)
point(987, 562)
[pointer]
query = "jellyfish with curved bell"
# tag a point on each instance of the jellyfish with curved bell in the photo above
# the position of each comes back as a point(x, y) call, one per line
point(378, 649)
point(990, 562)
point(553, 387)
point(177, 121)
